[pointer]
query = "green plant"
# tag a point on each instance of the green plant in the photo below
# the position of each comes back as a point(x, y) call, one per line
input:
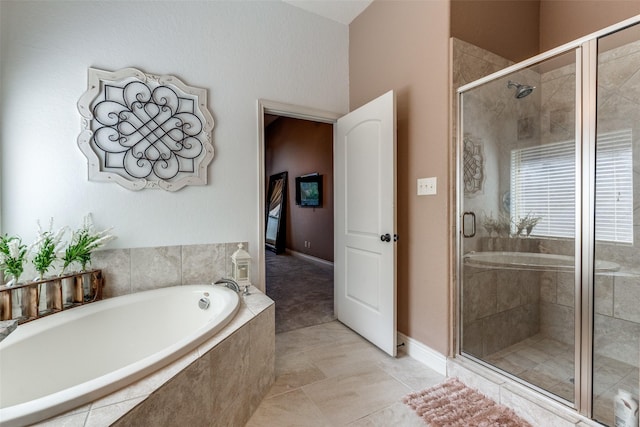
point(84, 241)
point(12, 256)
point(45, 249)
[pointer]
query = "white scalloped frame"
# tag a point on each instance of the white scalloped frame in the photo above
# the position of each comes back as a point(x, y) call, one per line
point(107, 87)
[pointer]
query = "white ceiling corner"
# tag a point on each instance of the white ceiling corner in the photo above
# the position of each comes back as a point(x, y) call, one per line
point(343, 11)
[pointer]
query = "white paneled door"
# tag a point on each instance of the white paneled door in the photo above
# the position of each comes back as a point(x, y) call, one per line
point(365, 221)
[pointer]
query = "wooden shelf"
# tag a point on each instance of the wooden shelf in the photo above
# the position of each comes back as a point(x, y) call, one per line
point(32, 300)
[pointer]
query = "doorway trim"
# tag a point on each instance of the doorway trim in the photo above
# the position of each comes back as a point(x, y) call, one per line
point(265, 106)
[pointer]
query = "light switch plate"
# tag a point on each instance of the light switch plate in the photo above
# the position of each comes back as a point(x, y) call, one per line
point(427, 186)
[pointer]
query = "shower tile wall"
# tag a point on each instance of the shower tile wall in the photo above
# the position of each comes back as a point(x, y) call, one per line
point(496, 315)
point(617, 294)
point(494, 318)
point(133, 270)
point(617, 319)
point(501, 308)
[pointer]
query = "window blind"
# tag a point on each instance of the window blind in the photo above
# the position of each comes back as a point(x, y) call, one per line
point(614, 187)
point(543, 184)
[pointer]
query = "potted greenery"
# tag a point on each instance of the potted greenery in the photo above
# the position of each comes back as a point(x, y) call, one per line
point(83, 242)
point(12, 257)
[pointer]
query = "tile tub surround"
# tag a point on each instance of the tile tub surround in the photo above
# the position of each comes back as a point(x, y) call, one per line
point(224, 379)
point(6, 327)
point(139, 269)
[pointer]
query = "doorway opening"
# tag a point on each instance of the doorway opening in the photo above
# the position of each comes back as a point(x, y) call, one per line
point(298, 271)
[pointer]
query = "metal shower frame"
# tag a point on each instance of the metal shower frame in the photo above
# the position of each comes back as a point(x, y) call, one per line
point(586, 53)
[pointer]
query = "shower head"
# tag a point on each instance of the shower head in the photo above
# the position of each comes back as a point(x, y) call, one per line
point(521, 90)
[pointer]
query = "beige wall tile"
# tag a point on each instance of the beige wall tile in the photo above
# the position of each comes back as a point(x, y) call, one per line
point(116, 269)
point(626, 303)
point(508, 290)
point(557, 322)
point(616, 338)
point(603, 291)
point(548, 286)
point(566, 289)
point(473, 337)
point(203, 263)
point(262, 356)
point(480, 295)
point(153, 268)
point(230, 379)
point(184, 400)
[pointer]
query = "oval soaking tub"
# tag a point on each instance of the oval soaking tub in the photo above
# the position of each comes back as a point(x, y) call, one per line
point(71, 358)
point(530, 261)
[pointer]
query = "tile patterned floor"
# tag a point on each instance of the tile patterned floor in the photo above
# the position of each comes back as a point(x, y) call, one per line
point(541, 361)
point(549, 364)
point(327, 375)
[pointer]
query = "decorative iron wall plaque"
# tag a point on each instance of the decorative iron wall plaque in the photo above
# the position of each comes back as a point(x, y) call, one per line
point(473, 165)
point(145, 131)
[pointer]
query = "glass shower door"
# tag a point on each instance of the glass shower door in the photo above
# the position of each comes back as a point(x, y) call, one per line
point(518, 222)
point(616, 281)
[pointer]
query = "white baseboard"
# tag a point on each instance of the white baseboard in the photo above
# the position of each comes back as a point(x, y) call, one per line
point(309, 258)
point(422, 353)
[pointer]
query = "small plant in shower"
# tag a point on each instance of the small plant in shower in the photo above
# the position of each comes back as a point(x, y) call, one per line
point(12, 257)
point(500, 226)
point(526, 224)
point(45, 249)
point(84, 241)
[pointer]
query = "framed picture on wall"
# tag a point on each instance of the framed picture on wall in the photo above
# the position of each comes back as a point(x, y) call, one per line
point(309, 191)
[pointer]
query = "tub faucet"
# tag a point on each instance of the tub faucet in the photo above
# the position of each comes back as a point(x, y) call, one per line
point(232, 284)
point(229, 283)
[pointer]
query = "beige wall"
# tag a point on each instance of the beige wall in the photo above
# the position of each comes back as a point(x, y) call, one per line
point(520, 29)
point(301, 147)
point(404, 46)
point(509, 28)
point(564, 21)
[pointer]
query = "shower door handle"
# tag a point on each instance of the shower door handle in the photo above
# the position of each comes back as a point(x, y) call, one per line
point(468, 221)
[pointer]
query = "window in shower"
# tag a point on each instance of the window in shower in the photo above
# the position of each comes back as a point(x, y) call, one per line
point(543, 185)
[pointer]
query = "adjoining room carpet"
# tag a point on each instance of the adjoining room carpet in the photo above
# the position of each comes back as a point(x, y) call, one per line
point(453, 404)
point(302, 290)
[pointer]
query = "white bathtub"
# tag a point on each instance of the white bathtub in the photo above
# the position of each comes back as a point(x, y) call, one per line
point(530, 261)
point(71, 358)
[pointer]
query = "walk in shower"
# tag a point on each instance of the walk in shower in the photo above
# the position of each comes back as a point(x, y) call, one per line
point(549, 221)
